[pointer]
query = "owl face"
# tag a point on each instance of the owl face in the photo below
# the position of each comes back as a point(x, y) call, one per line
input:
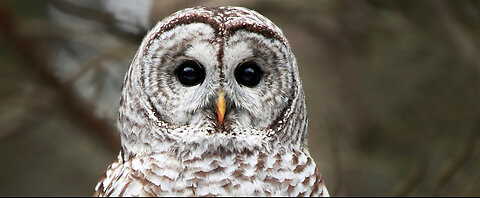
point(241, 83)
point(208, 71)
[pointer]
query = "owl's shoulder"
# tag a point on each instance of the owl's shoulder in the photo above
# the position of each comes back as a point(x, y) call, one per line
point(152, 175)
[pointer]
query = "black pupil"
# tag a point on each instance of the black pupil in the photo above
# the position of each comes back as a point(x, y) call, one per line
point(190, 73)
point(248, 74)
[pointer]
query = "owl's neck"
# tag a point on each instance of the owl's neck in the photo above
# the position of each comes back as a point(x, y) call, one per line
point(200, 146)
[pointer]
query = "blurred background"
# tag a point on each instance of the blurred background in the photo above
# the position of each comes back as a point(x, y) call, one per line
point(392, 90)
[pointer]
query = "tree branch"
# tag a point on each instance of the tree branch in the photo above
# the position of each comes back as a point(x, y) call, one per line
point(106, 19)
point(412, 180)
point(74, 105)
point(465, 152)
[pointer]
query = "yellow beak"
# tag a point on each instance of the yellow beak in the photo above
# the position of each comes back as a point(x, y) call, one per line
point(221, 106)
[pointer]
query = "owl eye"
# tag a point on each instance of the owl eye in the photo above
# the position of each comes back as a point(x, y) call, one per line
point(190, 73)
point(248, 74)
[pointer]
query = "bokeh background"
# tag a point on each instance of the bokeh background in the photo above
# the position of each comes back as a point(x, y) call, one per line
point(392, 89)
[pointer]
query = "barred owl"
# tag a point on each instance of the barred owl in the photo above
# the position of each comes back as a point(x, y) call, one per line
point(212, 105)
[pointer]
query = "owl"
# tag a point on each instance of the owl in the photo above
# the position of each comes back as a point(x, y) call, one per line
point(212, 105)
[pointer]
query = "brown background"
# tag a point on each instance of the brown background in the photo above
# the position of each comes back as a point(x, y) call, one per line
point(392, 92)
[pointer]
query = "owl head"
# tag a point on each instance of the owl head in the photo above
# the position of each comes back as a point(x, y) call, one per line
point(212, 79)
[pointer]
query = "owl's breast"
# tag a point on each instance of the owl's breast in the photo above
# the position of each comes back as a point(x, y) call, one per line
point(247, 174)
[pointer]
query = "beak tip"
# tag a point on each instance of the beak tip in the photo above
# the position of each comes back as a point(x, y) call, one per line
point(221, 107)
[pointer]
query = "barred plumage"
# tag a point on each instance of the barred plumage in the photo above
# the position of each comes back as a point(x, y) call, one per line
point(175, 140)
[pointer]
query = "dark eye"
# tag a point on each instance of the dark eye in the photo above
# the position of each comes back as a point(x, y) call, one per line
point(248, 74)
point(190, 73)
